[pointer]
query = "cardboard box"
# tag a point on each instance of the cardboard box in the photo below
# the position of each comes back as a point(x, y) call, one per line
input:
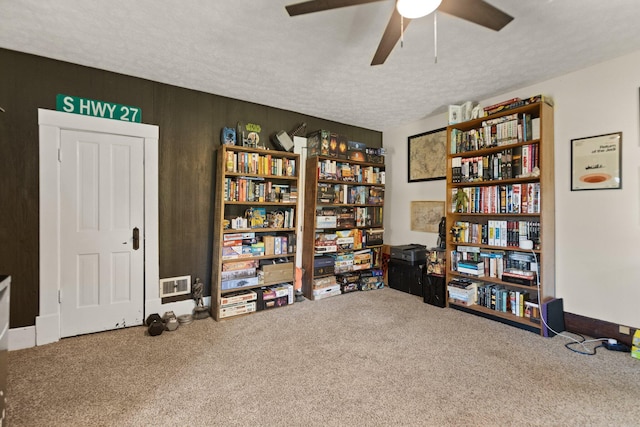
point(273, 303)
point(239, 283)
point(230, 252)
point(278, 273)
point(275, 296)
point(323, 265)
point(326, 221)
point(237, 274)
point(342, 145)
point(318, 143)
point(240, 265)
point(237, 309)
point(374, 236)
point(356, 151)
point(237, 297)
point(269, 244)
point(321, 271)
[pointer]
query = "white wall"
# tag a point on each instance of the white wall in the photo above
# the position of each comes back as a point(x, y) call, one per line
point(399, 193)
point(598, 231)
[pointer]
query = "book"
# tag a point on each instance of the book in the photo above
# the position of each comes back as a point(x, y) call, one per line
point(237, 297)
point(501, 104)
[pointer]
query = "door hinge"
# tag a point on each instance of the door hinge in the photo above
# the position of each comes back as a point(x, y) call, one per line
point(59, 297)
point(59, 156)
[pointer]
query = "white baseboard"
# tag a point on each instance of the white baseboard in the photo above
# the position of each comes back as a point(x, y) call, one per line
point(178, 307)
point(47, 329)
point(20, 338)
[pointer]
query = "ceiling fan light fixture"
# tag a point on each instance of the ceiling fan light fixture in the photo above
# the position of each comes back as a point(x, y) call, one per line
point(413, 9)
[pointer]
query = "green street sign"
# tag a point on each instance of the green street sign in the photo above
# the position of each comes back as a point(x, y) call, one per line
point(92, 107)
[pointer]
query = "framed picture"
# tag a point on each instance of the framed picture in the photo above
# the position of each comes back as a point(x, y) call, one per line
point(596, 162)
point(426, 215)
point(427, 156)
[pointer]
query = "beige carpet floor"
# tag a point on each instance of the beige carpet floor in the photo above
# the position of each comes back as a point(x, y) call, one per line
point(362, 359)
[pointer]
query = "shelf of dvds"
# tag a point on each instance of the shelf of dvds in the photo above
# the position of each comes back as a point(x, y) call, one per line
point(253, 261)
point(344, 201)
point(500, 202)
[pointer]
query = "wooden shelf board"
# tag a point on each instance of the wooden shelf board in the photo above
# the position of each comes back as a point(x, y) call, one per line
point(525, 322)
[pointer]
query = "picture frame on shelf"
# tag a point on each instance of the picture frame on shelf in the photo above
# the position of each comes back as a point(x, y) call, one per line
point(426, 215)
point(596, 162)
point(455, 114)
point(427, 156)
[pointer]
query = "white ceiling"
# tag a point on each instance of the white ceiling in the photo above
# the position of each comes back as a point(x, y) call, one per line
point(318, 64)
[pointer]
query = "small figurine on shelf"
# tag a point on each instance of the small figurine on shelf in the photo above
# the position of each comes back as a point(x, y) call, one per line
point(455, 233)
point(442, 233)
point(461, 199)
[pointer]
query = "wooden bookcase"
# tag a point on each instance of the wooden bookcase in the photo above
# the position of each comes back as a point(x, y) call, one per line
point(260, 186)
point(357, 203)
point(484, 234)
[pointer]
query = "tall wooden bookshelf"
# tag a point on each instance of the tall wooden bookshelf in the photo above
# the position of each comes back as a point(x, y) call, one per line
point(342, 198)
point(503, 164)
point(259, 187)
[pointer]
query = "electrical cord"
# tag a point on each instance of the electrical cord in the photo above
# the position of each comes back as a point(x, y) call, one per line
point(586, 351)
point(582, 342)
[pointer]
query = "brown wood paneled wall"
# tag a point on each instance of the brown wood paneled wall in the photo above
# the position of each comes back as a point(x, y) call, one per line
point(190, 124)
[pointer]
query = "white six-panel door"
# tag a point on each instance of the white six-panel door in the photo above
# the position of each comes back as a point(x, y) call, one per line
point(101, 204)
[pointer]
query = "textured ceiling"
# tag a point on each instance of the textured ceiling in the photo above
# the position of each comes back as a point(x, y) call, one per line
point(318, 64)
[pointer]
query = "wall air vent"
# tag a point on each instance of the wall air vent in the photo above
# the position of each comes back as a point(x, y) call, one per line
point(173, 286)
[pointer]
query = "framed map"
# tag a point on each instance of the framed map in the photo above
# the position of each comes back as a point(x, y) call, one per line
point(427, 156)
point(425, 216)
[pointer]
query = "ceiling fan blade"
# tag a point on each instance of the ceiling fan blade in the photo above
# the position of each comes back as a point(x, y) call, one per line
point(476, 11)
point(320, 5)
point(389, 38)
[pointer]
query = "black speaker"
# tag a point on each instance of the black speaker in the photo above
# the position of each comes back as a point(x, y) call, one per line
point(433, 290)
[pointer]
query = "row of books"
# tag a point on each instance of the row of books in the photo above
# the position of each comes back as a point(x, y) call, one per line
point(348, 216)
point(516, 162)
point(515, 103)
point(254, 163)
point(258, 217)
point(350, 194)
point(519, 303)
point(361, 280)
point(505, 198)
point(248, 245)
point(521, 267)
point(505, 233)
point(328, 286)
point(346, 240)
point(253, 189)
point(506, 130)
point(350, 172)
point(343, 262)
point(515, 301)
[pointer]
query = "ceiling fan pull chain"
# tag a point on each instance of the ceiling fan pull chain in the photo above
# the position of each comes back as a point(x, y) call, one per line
point(435, 37)
point(401, 31)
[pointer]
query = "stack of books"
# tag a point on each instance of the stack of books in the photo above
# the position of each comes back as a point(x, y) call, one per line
point(473, 268)
point(462, 291)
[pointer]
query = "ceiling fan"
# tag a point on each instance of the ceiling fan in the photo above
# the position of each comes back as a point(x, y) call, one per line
point(476, 11)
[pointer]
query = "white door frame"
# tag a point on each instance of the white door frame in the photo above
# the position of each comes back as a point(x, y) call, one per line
point(50, 124)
